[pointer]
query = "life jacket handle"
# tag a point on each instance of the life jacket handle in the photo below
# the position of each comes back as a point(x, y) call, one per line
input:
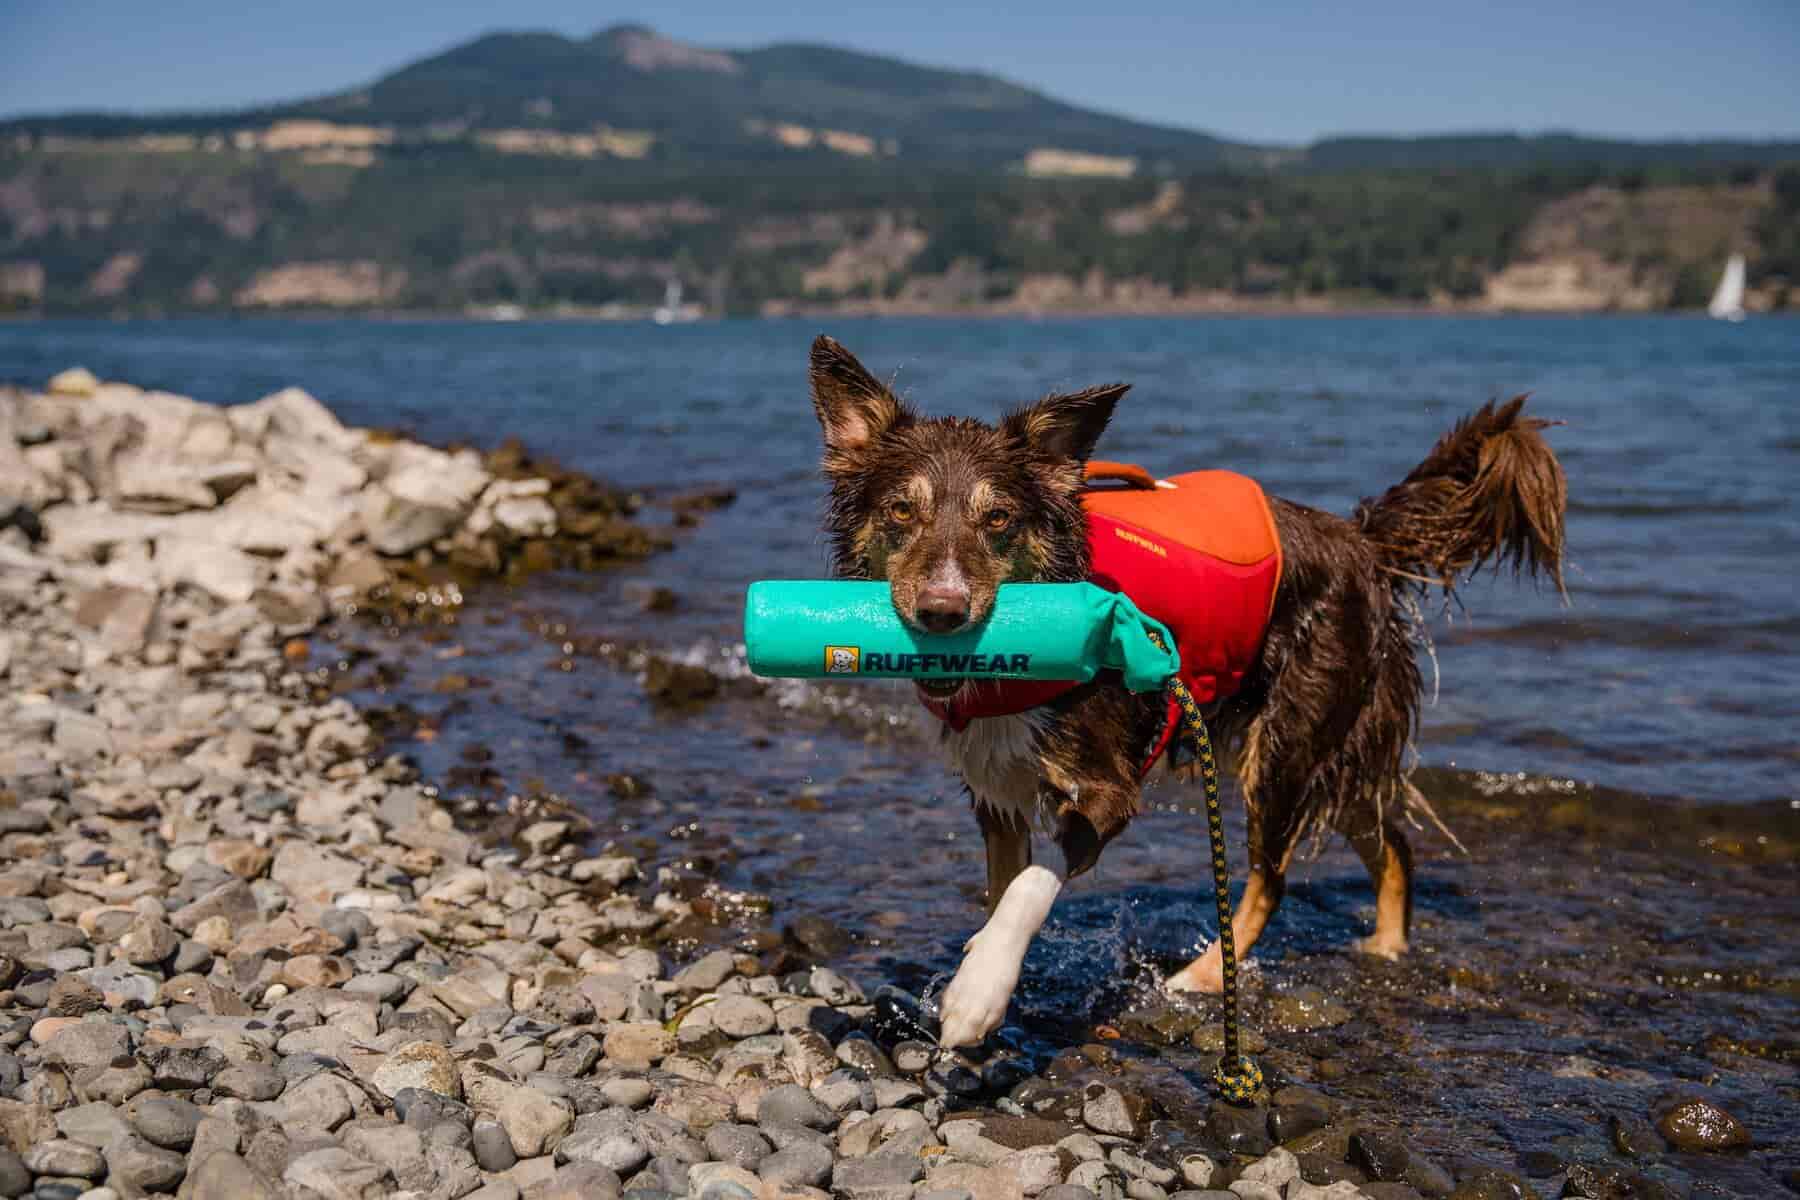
point(1130, 474)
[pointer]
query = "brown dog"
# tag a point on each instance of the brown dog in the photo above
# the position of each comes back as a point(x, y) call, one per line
point(948, 509)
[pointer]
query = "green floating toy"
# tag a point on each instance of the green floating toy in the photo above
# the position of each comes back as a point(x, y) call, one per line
point(811, 629)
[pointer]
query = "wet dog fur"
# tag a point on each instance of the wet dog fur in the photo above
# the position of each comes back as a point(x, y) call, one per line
point(947, 509)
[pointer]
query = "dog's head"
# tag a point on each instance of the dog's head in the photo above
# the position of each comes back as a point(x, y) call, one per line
point(948, 509)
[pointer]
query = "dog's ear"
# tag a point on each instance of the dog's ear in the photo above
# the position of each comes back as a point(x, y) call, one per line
point(1069, 426)
point(854, 407)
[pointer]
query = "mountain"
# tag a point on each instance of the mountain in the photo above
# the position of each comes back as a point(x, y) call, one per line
point(631, 93)
point(697, 103)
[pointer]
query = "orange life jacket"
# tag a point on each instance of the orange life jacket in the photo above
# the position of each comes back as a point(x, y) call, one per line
point(1198, 552)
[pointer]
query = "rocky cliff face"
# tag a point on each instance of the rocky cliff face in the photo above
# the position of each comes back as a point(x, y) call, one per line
point(1604, 248)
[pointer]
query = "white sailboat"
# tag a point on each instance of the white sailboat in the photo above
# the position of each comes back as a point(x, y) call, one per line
point(1728, 302)
point(672, 311)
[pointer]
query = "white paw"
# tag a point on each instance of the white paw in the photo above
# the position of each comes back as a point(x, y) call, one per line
point(975, 1002)
point(1205, 976)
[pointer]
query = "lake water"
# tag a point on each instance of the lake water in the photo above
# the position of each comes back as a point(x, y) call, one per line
point(1674, 669)
point(1617, 766)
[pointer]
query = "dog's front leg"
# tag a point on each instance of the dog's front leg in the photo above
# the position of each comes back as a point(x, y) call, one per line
point(975, 1002)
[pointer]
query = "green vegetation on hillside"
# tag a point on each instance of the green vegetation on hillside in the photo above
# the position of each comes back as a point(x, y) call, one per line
point(452, 228)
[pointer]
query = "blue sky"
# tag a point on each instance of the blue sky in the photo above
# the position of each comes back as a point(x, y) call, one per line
point(1265, 70)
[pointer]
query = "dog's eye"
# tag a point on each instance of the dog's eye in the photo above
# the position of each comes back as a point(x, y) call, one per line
point(998, 519)
point(900, 512)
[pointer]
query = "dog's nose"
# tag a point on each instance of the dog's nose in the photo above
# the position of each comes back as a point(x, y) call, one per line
point(942, 609)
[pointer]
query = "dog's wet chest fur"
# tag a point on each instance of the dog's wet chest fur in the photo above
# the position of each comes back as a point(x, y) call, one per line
point(998, 758)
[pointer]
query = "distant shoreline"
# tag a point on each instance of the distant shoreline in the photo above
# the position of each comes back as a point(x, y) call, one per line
point(1422, 311)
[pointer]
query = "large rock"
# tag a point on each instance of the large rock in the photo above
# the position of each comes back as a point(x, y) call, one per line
point(426, 496)
point(160, 486)
point(270, 520)
point(226, 573)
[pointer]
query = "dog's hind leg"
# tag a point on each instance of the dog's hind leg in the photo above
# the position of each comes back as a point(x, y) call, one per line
point(1272, 814)
point(1384, 851)
point(1262, 896)
point(1008, 840)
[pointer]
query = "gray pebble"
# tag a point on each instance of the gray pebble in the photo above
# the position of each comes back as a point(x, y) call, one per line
point(193, 957)
point(706, 974)
point(165, 1121)
point(802, 1164)
point(608, 1138)
point(876, 1175)
point(586, 1180)
point(833, 988)
point(665, 1173)
point(740, 1017)
point(914, 1057)
point(739, 1145)
point(627, 1092)
point(184, 1068)
point(249, 1081)
point(136, 1167)
point(15, 1176)
point(493, 1149)
point(59, 1156)
point(422, 1109)
point(792, 1104)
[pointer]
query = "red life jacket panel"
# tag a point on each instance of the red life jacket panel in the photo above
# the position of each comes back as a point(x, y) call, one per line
point(1198, 552)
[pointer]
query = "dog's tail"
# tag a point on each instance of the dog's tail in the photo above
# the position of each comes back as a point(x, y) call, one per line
point(1490, 493)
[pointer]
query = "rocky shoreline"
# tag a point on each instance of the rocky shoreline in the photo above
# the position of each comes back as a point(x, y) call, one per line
point(243, 954)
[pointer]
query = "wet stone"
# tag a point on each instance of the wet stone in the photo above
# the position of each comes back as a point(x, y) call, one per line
point(1382, 1155)
point(1323, 1170)
point(819, 937)
point(1633, 1137)
point(1112, 1110)
point(913, 1057)
point(1296, 1112)
point(1238, 1130)
point(1696, 1124)
point(1491, 1183)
